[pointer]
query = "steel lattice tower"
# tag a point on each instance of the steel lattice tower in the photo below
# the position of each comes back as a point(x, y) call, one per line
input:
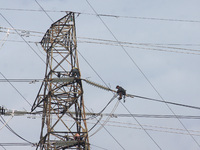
point(60, 98)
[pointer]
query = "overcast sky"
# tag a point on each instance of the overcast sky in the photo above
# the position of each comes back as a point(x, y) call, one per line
point(161, 61)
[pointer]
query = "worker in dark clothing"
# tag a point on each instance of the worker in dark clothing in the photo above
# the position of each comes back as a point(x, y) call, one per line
point(121, 92)
point(58, 74)
point(75, 72)
point(77, 137)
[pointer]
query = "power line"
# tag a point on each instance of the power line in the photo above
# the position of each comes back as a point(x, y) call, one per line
point(21, 30)
point(21, 80)
point(185, 51)
point(106, 15)
point(9, 128)
point(150, 18)
point(112, 115)
point(98, 146)
point(112, 42)
point(150, 128)
point(108, 131)
point(116, 116)
point(147, 127)
point(128, 95)
point(108, 117)
point(16, 144)
point(16, 89)
point(145, 116)
point(142, 127)
point(103, 40)
point(2, 146)
point(142, 97)
point(22, 41)
point(33, 10)
point(166, 102)
point(125, 44)
point(154, 49)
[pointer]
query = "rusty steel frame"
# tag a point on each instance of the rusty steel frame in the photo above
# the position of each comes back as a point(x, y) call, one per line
point(61, 93)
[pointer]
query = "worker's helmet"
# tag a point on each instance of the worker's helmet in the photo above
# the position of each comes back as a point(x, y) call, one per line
point(117, 86)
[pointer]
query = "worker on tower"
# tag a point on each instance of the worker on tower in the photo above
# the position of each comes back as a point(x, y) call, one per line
point(121, 92)
point(58, 74)
point(75, 72)
point(77, 137)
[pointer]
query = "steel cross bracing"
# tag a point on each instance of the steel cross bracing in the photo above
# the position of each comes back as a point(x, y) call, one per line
point(61, 92)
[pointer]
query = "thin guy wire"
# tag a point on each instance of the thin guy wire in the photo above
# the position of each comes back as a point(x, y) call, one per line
point(44, 10)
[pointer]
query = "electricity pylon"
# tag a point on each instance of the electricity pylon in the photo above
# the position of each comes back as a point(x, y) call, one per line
point(61, 92)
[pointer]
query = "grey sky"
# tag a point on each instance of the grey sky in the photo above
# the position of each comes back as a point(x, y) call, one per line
point(175, 75)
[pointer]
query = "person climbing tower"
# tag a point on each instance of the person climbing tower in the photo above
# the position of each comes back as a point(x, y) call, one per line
point(121, 92)
point(75, 72)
